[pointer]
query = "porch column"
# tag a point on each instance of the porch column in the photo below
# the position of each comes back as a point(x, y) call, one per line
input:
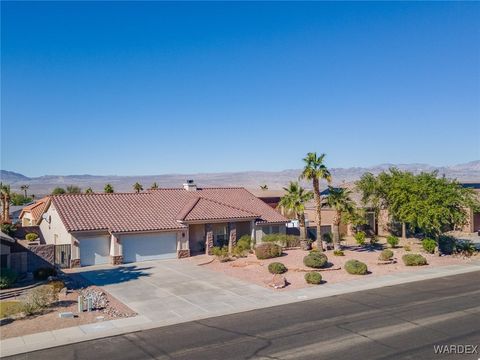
point(116, 251)
point(74, 253)
point(208, 239)
point(232, 236)
point(252, 229)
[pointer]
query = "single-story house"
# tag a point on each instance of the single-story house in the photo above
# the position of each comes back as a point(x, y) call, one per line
point(6, 244)
point(473, 223)
point(156, 224)
point(32, 214)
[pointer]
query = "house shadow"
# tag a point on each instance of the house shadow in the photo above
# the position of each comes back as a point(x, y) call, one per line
point(110, 276)
point(365, 248)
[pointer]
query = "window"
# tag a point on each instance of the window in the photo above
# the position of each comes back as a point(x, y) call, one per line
point(275, 229)
point(220, 236)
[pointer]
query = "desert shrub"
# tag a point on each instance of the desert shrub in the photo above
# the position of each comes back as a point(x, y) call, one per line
point(44, 273)
point(466, 247)
point(338, 253)
point(429, 245)
point(7, 278)
point(385, 255)
point(360, 237)
point(356, 267)
point(446, 244)
point(414, 260)
point(373, 240)
point(38, 299)
point(8, 228)
point(31, 236)
point(313, 278)
point(327, 237)
point(268, 251)
point(392, 241)
point(221, 253)
point(315, 260)
point(277, 268)
point(292, 241)
point(282, 240)
point(407, 248)
point(57, 285)
point(243, 246)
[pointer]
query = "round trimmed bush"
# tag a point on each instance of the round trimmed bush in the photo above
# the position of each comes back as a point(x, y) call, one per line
point(360, 237)
point(429, 245)
point(386, 255)
point(392, 241)
point(315, 260)
point(414, 260)
point(313, 278)
point(356, 267)
point(277, 268)
point(31, 236)
point(268, 251)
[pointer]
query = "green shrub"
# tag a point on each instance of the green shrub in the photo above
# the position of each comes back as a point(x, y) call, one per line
point(268, 251)
point(221, 253)
point(282, 240)
point(407, 248)
point(57, 285)
point(31, 236)
point(7, 278)
point(386, 255)
point(338, 253)
point(327, 237)
point(38, 299)
point(242, 247)
point(360, 237)
point(356, 267)
point(429, 245)
point(414, 260)
point(8, 228)
point(44, 273)
point(392, 241)
point(277, 268)
point(314, 278)
point(466, 247)
point(373, 240)
point(315, 260)
point(446, 244)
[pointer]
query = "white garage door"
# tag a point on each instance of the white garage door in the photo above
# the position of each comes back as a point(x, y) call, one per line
point(144, 247)
point(94, 250)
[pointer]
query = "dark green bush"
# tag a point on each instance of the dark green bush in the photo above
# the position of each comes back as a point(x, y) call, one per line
point(466, 247)
point(221, 253)
point(315, 260)
point(446, 244)
point(277, 268)
point(338, 253)
point(414, 260)
point(313, 278)
point(31, 236)
point(268, 250)
point(8, 228)
point(356, 267)
point(327, 237)
point(429, 245)
point(7, 278)
point(44, 273)
point(385, 255)
point(392, 241)
point(360, 237)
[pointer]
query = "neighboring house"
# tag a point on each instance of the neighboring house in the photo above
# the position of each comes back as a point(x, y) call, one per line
point(6, 244)
point(157, 224)
point(473, 224)
point(32, 214)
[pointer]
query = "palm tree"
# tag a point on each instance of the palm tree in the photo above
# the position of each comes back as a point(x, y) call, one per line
point(5, 198)
point(137, 187)
point(294, 199)
point(89, 191)
point(24, 188)
point(264, 187)
point(315, 171)
point(339, 200)
point(154, 186)
point(108, 189)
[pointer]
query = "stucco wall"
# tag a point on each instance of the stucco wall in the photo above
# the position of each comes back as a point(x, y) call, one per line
point(27, 219)
point(55, 227)
point(197, 237)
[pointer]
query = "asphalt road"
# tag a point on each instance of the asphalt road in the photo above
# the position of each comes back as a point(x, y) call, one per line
point(397, 322)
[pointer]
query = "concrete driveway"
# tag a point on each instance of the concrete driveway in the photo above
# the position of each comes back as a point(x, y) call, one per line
point(176, 290)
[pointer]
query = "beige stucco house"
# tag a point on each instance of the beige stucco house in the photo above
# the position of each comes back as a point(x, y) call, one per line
point(31, 215)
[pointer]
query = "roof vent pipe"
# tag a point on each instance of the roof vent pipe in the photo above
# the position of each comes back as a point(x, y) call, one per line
point(190, 185)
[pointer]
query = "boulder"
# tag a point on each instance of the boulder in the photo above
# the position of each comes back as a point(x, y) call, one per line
point(278, 281)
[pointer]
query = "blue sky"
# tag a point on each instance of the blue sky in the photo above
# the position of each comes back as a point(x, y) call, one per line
point(151, 88)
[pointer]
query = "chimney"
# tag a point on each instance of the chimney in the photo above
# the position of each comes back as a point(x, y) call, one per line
point(190, 185)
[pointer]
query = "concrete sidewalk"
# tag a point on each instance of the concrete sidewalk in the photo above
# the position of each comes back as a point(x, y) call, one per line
point(116, 327)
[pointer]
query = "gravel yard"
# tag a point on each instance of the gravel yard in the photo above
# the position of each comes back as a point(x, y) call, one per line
point(256, 271)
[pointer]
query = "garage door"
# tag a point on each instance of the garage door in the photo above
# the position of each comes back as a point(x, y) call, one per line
point(94, 250)
point(143, 247)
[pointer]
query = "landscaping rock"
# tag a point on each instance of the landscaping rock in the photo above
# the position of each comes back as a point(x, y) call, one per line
point(278, 281)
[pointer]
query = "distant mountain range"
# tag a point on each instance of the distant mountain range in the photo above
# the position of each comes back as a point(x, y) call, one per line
point(468, 172)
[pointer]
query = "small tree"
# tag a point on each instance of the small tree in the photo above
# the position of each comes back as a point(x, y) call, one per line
point(108, 189)
point(154, 186)
point(339, 200)
point(58, 191)
point(73, 189)
point(89, 191)
point(137, 187)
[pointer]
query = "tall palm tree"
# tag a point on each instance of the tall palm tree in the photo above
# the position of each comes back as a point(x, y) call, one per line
point(108, 189)
point(24, 188)
point(5, 195)
point(315, 171)
point(264, 187)
point(294, 199)
point(339, 199)
point(137, 187)
point(154, 186)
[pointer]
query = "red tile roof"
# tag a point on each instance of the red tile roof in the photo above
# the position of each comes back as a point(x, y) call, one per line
point(161, 209)
point(36, 209)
